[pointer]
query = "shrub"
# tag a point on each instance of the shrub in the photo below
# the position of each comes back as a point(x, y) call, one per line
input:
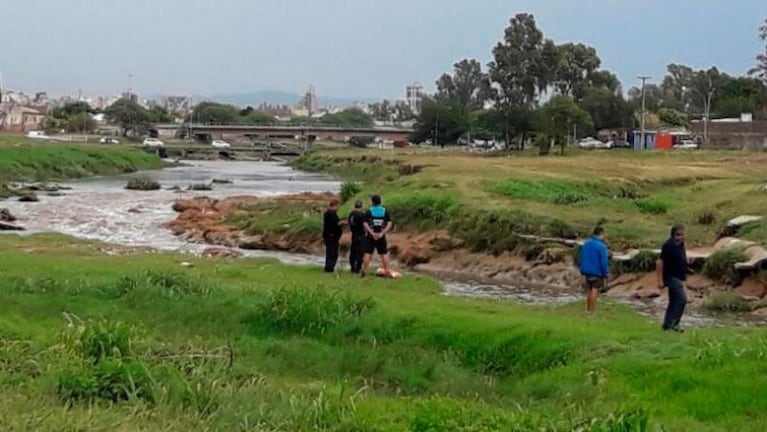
point(561, 229)
point(557, 192)
point(494, 231)
point(349, 190)
point(653, 206)
point(309, 311)
point(360, 141)
point(644, 262)
point(636, 420)
point(111, 380)
point(728, 302)
point(142, 184)
point(707, 217)
point(721, 266)
point(169, 283)
point(422, 209)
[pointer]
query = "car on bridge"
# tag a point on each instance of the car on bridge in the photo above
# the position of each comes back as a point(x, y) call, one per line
point(220, 144)
point(153, 142)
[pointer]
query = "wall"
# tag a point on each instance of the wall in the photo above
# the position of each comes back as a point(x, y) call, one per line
point(736, 135)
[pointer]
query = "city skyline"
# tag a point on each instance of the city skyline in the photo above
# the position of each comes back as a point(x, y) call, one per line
point(363, 50)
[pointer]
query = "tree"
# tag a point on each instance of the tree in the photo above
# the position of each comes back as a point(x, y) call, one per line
point(672, 117)
point(607, 109)
point(555, 119)
point(741, 95)
point(215, 113)
point(129, 115)
point(159, 114)
point(52, 125)
point(382, 111)
point(352, 117)
point(442, 122)
point(465, 87)
point(523, 66)
point(653, 97)
point(82, 122)
point(403, 112)
point(760, 70)
point(575, 63)
point(70, 109)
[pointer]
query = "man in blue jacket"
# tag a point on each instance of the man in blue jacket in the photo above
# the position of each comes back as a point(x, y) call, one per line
point(594, 265)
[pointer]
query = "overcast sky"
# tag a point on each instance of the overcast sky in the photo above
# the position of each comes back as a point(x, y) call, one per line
point(347, 48)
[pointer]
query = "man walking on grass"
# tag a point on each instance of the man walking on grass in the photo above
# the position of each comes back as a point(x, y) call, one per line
point(672, 271)
point(356, 221)
point(594, 266)
point(377, 224)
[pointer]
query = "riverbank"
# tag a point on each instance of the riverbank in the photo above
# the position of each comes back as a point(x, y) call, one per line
point(444, 230)
point(25, 160)
point(192, 344)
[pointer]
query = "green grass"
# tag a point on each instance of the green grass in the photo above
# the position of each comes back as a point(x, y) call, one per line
point(138, 342)
point(42, 162)
point(636, 196)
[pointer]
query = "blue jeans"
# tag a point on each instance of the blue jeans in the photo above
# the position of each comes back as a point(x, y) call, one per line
point(677, 301)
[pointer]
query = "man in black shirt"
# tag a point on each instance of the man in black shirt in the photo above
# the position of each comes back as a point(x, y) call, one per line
point(331, 236)
point(356, 221)
point(672, 273)
point(377, 224)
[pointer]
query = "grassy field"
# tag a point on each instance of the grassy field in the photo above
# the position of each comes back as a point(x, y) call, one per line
point(138, 342)
point(23, 159)
point(636, 195)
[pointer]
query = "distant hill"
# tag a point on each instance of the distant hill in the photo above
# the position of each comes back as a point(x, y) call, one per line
point(280, 98)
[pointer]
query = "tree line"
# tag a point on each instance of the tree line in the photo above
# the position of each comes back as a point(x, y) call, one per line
point(534, 87)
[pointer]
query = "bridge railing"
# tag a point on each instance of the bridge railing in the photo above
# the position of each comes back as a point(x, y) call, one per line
point(288, 126)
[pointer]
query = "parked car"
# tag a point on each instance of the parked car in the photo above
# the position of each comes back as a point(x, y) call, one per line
point(686, 145)
point(153, 142)
point(37, 135)
point(220, 144)
point(618, 144)
point(591, 143)
point(109, 141)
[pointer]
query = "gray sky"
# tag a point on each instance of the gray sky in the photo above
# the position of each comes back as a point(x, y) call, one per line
point(347, 48)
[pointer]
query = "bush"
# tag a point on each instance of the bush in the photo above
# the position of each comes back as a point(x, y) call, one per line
point(707, 217)
point(635, 420)
point(644, 262)
point(172, 284)
point(422, 209)
point(721, 266)
point(308, 311)
point(653, 206)
point(349, 190)
point(110, 380)
point(142, 184)
point(554, 191)
point(361, 142)
point(728, 302)
point(494, 231)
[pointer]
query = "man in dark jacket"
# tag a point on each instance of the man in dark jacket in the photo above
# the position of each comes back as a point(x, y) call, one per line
point(595, 268)
point(331, 235)
point(672, 269)
point(356, 221)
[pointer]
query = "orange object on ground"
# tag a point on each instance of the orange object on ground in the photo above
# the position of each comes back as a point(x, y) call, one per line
point(390, 275)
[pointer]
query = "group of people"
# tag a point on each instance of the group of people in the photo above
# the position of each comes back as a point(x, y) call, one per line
point(672, 269)
point(368, 227)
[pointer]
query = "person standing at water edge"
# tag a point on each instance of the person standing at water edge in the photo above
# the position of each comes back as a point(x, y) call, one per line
point(377, 224)
point(331, 236)
point(672, 271)
point(356, 222)
point(594, 266)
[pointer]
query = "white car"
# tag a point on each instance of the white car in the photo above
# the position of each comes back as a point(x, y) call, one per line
point(220, 144)
point(37, 135)
point(686, 145)
point(591, 143)
point(153, 142)
point(109, 140)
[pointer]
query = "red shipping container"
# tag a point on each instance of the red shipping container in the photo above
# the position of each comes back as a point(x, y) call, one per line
point(664, 141)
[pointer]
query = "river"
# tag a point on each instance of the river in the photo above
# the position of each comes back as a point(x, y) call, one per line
point(100, 208)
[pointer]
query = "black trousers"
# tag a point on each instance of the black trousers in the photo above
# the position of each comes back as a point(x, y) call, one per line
point(331, 254)
point(677, 301)
point(356, 253)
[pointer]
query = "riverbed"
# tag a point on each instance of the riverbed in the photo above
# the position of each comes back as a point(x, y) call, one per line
point(102, 209)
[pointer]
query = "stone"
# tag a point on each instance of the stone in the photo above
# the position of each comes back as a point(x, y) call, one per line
point(7, 226)
point(752, 288)
point(6, 215)
point(221, 253)
point(187, 264)
point(29, 197)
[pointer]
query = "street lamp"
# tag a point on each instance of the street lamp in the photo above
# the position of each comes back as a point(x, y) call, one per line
point(706, 107)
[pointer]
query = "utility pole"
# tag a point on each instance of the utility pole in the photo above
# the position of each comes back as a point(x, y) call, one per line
point(644, 79)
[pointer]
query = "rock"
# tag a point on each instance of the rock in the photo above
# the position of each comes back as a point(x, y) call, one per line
point(752, 288)
point(252, 243)
point(732, 226)
point(222, 181)
point(554, 255)
point(29, 197)
point(134, 210)
point(187, 264)
point(6, 215)
point(221, 253)
point(7, 226)
point(54, 194)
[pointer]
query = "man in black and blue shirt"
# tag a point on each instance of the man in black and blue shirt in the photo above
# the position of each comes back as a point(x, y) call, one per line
point(377, 224)
point(356, 222)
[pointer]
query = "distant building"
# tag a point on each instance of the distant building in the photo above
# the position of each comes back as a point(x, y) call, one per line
point(177, 104)
point(414, 97)
point(20, 118)
point(309, 103)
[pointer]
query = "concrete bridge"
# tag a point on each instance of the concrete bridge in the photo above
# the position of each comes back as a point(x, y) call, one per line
point(206, 133)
